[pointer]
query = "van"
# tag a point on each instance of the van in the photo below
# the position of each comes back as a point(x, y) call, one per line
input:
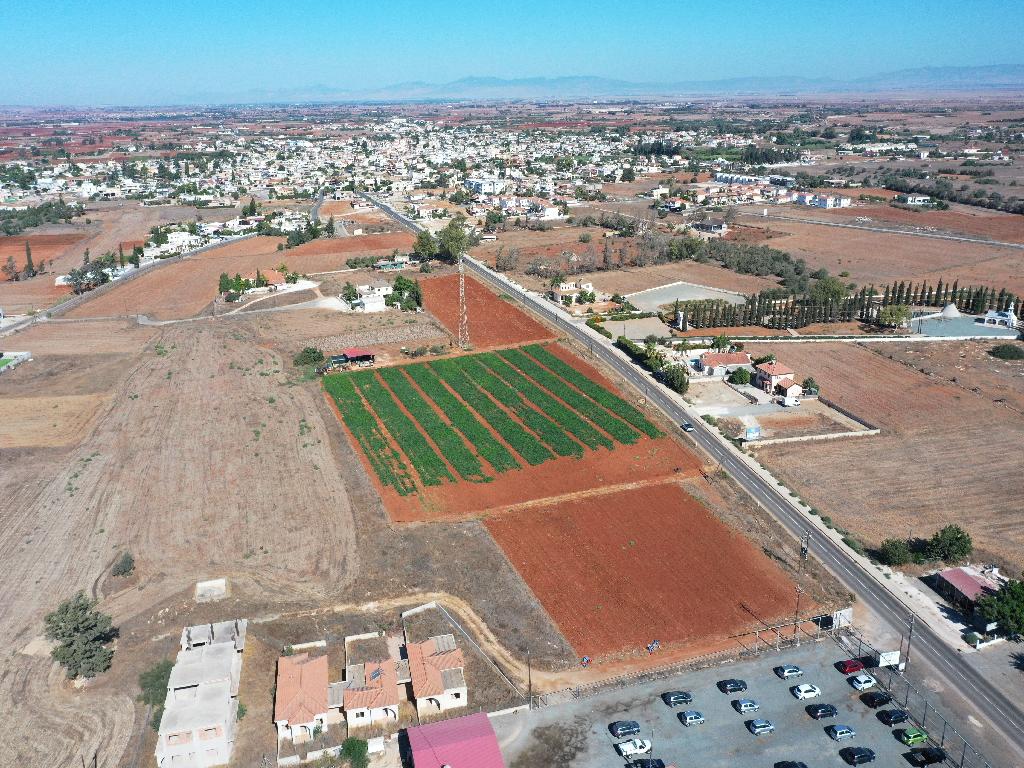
point(691, 717)
point(743, 706)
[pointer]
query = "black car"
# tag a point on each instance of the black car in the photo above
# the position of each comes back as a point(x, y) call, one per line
point(893, 717)
point(622, 728)
point(857, 755)
point(648, 762)
point(674, 698)
point(790, 764)
point(927, 756)
point(876, 699)
point(732, 686)
point(821, 711)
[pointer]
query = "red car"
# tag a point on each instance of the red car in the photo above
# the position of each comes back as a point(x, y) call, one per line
point(850, 666)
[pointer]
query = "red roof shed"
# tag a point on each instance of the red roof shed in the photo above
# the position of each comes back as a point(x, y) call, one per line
point(464, 742)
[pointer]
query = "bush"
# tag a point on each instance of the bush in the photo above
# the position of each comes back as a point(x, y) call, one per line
point(950, 545)
point(1007, 352)
point(854, 544)
point(355, 751)
point(740, 376)
point(153, 683)
point(309, 356)
point(82, 634)
point(895, 552)
point(124, 566)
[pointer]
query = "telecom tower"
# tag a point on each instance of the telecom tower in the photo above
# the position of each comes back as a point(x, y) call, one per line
point(463, 314)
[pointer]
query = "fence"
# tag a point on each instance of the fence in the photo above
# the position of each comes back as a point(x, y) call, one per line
point(940, 731)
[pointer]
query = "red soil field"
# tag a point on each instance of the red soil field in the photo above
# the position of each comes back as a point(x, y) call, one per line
point(493, 322)
point(358, 244)
point(619, 570)
point(44, 247)
point(979, 222)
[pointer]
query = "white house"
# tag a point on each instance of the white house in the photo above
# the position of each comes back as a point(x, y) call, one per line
point(370, 693)
point(436, 671)
point(1007, 319)
point(300, 701)
point(571, 290)
point(914, 199)
point(372, 297)
point(200, 716)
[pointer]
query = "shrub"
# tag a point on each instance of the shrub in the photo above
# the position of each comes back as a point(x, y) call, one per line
point(82, 634)
point(309, 356)
point(124, 566)
point(950, 545)
point(853, 544)
point(355, 751)
point(895, 552)
point(1007, 352)
point(153, 683)
point(740, 376)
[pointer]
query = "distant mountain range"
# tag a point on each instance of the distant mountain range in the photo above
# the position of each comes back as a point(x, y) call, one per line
point(926, 80)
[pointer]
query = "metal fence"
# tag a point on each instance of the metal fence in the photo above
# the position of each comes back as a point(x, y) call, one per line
point(922, 712)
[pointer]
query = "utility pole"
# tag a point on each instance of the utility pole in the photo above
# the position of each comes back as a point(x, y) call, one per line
point(463, 315)
point(796, 616)
point(910, 637)
point(529, 679)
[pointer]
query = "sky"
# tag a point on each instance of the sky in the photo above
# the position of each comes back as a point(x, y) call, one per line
point(149, 52)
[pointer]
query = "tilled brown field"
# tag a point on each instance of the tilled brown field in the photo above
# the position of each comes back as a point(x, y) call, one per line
point(938, 459)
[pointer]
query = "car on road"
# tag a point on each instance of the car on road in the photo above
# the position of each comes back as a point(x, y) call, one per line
point(805, 691)
point(876, 699)
point(862, 682)
point(927, 756)
point(857, 755)
point(758, 727)
point(686, 426)
point(913, 736)
point(850, 666)
point(691, 717)
point(674, 698)
point(622, 728)
point(732, 685)
point(893, 717)
point(633, 747)
point(743, 706)
point(841, 732)
point(788, 671)
point(821, 711)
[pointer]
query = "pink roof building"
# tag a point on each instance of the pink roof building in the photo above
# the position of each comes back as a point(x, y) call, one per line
point(464, 742)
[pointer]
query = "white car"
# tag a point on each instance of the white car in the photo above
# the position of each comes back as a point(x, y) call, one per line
point(633, 747)
point(862, 682)
point(806, 691)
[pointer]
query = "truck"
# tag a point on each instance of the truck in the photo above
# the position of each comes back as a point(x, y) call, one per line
point(790, 402)
point(633, 747)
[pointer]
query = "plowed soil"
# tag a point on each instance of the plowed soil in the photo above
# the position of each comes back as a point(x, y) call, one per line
point(619, 570)
point(493, 322)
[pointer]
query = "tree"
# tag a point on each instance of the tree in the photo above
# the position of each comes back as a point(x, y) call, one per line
point(124, 565)
point(355, 751)
point(810, 385)
point(453, 242)
point(628, 174)
point(740, 376)
point(721, 343)
point(950, 545)
point(120, 255)
point(349, 292)
point(828, 289)
point(224, 284)
point(10, 269)
point(30, 268)
point(1005, 607)
point(153, 683)
point(425, 246)
point(309, 356)
point(676, 378)
point(506, 261)
point(82, 634)
point(895, 552)
point(894, 316)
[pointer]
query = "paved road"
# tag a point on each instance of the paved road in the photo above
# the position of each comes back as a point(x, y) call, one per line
point(997, 708)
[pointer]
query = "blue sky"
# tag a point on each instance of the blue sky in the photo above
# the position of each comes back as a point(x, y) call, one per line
point(99, 52)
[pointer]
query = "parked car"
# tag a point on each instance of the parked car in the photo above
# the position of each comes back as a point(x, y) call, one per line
point(758, 727)
point(633, 747)
point(927, 756)
point(691, 717)
point(850, 666)
point(893, 717)
point(913, 736)
point(821, 711)
point(732, 686)
point(674, 698)
point(857, 755)
point(791, 764)
point(623, 728)
point(687, 426)
point(743, 706)
point(806, 691)
point(648, 762)
point(876, 699)
point(787, 671)
point(863, 681)
point(841, 732)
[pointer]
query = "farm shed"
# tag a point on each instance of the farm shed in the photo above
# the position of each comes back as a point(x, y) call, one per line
point(356, 355)
point(463, 741)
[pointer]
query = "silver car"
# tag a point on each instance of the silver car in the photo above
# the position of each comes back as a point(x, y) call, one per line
point(691, 717)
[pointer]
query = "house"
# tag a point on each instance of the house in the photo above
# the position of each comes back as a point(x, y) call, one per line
point(963, 587)
point(372, 297)
point(300, 703)
point(200, 715)
point(788, 388)
point(713, 226)
point(370, 693)
point(396, 263)
point(1007, 319)
point(463, 742)
point(722, 363)
point(914, 199)
point(775, 378)
point(436, 671)
point(357, 356)
point(571, 290)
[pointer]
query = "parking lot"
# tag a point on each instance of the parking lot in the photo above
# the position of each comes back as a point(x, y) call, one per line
point(576, 733)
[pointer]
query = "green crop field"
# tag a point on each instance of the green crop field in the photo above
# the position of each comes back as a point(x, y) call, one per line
point(475, 417)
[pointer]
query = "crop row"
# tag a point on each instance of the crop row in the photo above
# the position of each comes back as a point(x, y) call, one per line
point(615, 427)
point(549, 432)
point(522, 442)
point(567, 419)
point(445, 438)
point(592, 389)
point(385, 461)
point(430, 467)
point(463, 419)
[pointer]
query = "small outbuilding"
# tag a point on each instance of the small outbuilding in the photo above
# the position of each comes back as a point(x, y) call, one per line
point(463, 741)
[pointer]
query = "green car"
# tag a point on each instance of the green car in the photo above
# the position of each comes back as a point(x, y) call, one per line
point(912, 736)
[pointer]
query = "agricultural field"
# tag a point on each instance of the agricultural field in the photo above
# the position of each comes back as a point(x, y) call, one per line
point(640, 570)
point(460, 435)
point(493, 322)
point(945, 410)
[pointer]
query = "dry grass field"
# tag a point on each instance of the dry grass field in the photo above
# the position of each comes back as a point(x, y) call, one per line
point(947, 452)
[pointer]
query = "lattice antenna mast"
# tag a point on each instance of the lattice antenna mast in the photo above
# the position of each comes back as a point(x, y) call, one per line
point(463, 314)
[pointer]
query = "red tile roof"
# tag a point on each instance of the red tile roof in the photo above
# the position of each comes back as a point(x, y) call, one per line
point(786, 383)
point(774, 369)
point(379, 691)
point(301, 688)
point(426, 663)
point(715, 359)
point(463, 742)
